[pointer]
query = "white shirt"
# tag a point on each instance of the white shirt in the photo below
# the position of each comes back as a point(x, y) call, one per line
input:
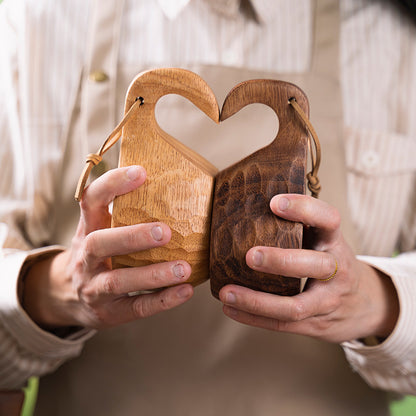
point(380, 137)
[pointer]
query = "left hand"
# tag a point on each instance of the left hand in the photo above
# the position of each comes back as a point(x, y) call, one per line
point(357, 302)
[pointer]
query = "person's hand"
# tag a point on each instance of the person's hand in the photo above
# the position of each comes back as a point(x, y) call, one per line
point(78, 286)
point(357, 302)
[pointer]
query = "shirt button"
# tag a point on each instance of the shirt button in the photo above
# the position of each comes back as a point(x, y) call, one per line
point(98, 76)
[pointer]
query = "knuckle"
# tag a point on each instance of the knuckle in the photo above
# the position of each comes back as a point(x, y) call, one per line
point(91, 292)
point(103, 319)
point(163, 274)
point(87, 294)
point(280, 326)
point(80, 287)
point(85, 201)
point(148, 305)
point(164, 303)
point(326, 266)
point(89, 246)
point(321, 326)
point(333, 303)
point(298, 311)
point(287, 259)
point(90, 202)
point(156, 275)
point(140, 308)
point(130, 237)
point(334, 219)
point(111, 284)
point(255, 306)
point(135, 237)
point(78, 266)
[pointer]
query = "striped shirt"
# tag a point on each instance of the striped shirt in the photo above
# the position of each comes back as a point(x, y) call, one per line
point(39, 80)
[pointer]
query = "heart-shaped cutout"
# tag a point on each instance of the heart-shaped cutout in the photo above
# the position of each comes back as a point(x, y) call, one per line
point(218, 143)
point(179, 189)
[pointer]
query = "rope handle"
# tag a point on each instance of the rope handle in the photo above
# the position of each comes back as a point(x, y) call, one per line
point(94, 159)
point(314, 184)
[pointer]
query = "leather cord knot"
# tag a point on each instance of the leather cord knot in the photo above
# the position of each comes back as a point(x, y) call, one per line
point(314, 184)
point(94, 159)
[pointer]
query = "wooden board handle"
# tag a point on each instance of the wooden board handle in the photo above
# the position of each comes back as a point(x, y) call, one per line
point(179, 186)
point(241, 216)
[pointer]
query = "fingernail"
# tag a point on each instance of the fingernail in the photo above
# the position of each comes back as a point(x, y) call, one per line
point(157, 233)
point(283, 204)
point(134, 172)
point(230, 298)
point(183, 292)
point(179, 271)
point(258, 257)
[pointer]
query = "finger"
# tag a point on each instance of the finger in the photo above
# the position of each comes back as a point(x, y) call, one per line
point(98, 195)
point(314, 302)
point(108, 242)
point(291, 262)
point(300, 327)
point(119, 282)
point(309, 211)
point(142, 306)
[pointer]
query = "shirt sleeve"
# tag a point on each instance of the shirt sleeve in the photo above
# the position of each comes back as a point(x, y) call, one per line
point(391, 365)
point(25, 349)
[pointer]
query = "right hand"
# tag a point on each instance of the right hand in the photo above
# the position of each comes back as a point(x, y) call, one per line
point(78, 286)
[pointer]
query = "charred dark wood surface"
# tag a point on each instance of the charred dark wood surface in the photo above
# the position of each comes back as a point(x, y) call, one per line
point(241, 216)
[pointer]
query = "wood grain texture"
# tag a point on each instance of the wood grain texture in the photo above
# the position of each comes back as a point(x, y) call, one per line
point(179, 186)
point(241, 216)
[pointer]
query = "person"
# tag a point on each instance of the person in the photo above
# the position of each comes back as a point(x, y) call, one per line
point(65, 69)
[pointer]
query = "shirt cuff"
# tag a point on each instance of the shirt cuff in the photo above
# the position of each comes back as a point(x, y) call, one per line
point(16, 321)
point(391, 365)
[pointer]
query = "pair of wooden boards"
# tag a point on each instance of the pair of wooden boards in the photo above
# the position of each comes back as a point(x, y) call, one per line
point(215, 217)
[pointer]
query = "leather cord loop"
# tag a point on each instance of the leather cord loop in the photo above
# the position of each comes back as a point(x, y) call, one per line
point(314, 184)
point(94, 159)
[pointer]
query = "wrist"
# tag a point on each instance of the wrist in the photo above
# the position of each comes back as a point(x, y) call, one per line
point(385, 303)
point(47, 292)
point(391, 300)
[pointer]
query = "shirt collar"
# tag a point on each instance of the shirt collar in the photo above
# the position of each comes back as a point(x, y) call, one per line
point(227, 8)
